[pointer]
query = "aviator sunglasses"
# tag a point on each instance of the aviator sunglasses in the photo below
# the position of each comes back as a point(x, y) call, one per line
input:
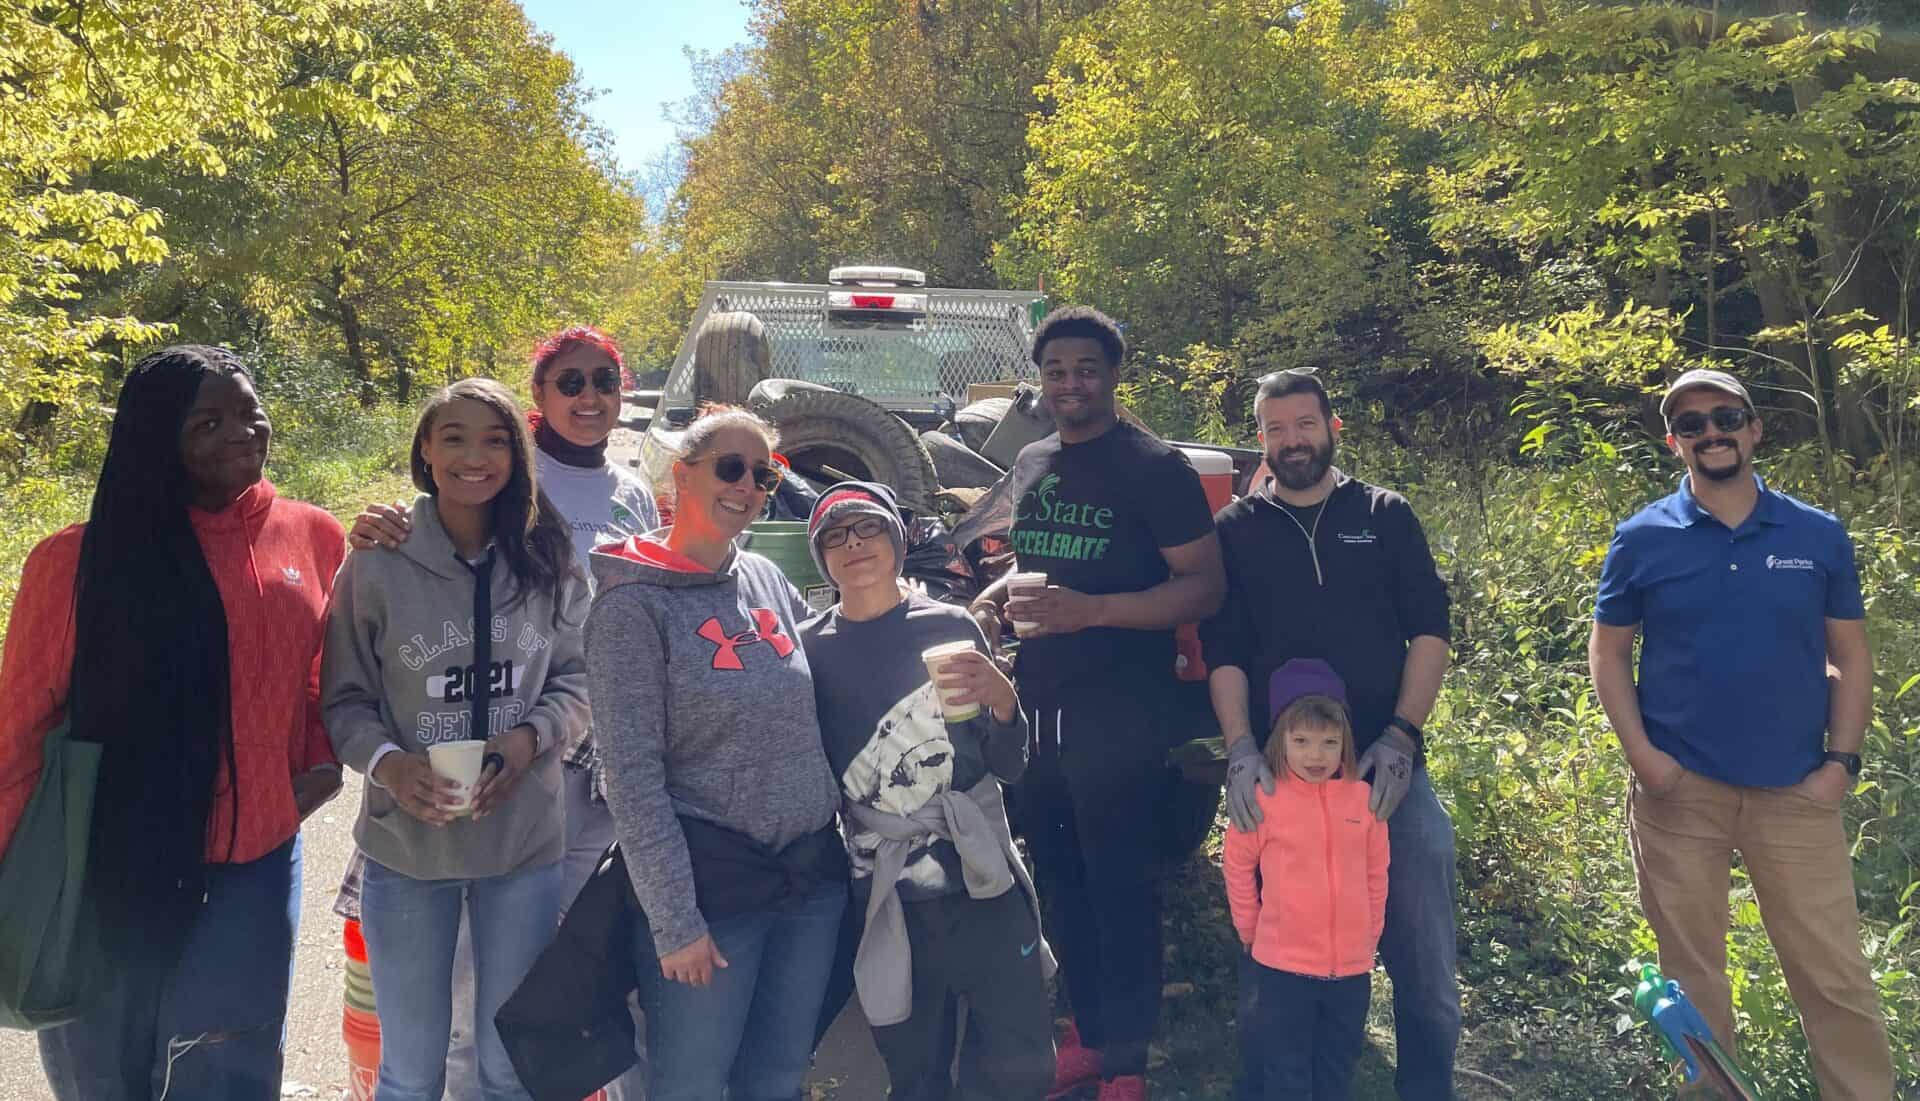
point(571, 382)
point(1725, 418)
point(731, 468)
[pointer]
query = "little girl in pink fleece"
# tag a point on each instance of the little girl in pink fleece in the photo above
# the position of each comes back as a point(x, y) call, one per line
point(1308, 889)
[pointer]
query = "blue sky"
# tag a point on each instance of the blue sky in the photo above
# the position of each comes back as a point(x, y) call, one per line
point(634, 57)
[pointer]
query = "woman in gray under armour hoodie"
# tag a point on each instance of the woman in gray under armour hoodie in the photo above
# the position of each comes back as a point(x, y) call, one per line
point(722, 798)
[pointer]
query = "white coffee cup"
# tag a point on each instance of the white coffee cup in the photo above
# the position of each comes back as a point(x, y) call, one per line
point(1022, 587)
point(936, 658)
point(460, 762)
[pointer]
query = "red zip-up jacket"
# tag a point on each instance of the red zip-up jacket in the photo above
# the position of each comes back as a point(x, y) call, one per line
point(1321, 898)
point(273, 561)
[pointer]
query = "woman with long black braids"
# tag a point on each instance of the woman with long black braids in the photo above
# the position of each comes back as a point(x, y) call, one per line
point(181, 627)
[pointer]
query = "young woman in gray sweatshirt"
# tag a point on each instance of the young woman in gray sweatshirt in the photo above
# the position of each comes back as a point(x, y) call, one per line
point(704, 713)
point(576, 378)
point(404, 670)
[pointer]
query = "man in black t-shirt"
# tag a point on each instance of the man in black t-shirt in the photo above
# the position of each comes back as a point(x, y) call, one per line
point(1118, 522)
point(1321, 565)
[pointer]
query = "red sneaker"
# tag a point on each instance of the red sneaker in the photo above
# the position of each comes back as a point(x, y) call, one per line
point(1127, 1087)
point(1074, 1067)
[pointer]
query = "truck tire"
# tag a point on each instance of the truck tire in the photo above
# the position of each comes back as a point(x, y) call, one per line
point(956, 466)
point(975, 422)
point(731, 355)
point(822, 428)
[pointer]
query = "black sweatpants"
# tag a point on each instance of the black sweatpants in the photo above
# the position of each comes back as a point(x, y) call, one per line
point(987, 951)
point(1311, 1031)
point(1091, 807)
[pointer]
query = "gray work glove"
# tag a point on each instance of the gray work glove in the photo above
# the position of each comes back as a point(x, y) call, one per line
point(1390, 760)
point(1246, 770)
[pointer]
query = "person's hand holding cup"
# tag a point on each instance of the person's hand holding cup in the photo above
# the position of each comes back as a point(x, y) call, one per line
point(417, 787)
point(966, 679)
point(460, 763)
point(1021, 588)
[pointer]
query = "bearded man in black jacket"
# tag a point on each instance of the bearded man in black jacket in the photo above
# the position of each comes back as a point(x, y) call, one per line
point(1322, 565)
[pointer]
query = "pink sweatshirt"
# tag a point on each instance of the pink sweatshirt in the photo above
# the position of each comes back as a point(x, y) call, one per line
point(1321, 896)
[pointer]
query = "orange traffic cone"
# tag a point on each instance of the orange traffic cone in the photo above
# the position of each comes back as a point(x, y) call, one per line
point(359, 1025)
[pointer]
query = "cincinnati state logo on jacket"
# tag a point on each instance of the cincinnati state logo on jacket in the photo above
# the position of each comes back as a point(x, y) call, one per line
point(726, 647)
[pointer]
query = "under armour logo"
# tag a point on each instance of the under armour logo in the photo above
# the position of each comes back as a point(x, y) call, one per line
point(766, 628)
point(291, 574)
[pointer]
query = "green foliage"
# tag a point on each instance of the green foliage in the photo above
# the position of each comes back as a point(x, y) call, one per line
point(1203, 167)
point(477, 211)
point(331, 452)
point(90, 86)
point(865, 131)
point(399, 188)
point(1752, 174)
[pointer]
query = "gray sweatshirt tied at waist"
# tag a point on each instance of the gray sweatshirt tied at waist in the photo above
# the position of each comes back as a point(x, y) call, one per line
point(976, 822)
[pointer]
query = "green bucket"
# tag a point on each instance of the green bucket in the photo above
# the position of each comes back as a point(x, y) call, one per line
point(784, 543)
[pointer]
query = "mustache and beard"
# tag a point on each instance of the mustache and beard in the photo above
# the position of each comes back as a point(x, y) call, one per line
point(1719, 450)
point(1301, 467)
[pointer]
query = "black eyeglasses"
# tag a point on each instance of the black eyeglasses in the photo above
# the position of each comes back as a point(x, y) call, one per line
point(1726, 418)
point(731, 468)
point(570, 382)
point(866, 527)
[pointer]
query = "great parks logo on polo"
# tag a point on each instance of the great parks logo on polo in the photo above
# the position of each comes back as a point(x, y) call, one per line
point(1046, 524)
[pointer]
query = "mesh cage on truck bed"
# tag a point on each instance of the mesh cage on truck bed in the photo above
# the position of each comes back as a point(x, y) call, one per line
point(907, 360)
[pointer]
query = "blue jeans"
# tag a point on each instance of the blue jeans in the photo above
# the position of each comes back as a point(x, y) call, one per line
point(411, 926)
point(1417, 948)
point(751, 1031)
point(211, 1025)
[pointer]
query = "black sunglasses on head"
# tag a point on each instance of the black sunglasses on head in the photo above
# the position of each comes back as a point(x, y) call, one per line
point(1726, 418)
point(573, 380)
point(730, 468)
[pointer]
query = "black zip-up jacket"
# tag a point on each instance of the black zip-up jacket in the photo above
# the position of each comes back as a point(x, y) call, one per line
point(1352, 586)
point(567, 1028)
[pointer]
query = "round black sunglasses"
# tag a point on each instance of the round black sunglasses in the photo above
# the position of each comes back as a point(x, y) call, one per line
point(570, 382)
point(730, 468)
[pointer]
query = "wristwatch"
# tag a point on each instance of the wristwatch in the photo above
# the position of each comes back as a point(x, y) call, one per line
point(1413, 733)
point(1851, 760)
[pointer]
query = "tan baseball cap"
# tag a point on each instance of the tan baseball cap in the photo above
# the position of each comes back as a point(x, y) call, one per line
point(1705, 378)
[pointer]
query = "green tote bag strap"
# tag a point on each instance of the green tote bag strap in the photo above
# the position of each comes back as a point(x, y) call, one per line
point(50, 963)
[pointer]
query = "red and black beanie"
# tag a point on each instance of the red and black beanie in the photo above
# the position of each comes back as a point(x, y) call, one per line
point(846, 500)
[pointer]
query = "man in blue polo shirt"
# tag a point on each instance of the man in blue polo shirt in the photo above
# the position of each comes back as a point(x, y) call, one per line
point(1744, 730)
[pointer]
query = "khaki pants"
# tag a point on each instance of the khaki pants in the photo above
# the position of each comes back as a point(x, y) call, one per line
point(1796, 855)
